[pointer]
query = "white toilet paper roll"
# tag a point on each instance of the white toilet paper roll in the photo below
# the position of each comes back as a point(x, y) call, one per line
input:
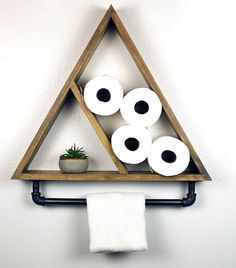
point(168, 156)
point(103, 95)
point(141, 107)
point(131, 144)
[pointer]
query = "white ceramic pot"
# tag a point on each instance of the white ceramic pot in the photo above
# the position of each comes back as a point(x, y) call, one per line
point(73, 165)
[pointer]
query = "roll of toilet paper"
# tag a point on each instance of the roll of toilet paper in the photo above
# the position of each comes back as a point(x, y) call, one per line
point(103, 95)
point(131, 144)
point(168, 156)
point(141, 107)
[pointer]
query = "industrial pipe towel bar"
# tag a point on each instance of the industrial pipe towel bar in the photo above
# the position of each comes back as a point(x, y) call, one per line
point(41, 200)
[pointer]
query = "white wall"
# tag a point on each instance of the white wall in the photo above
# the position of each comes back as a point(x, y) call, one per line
point(190, 48)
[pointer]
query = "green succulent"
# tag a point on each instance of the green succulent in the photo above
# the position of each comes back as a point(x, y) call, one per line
point(74, 153)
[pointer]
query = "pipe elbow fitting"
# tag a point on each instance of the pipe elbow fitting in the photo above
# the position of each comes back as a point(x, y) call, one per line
point(189, 200)
point(38, 199)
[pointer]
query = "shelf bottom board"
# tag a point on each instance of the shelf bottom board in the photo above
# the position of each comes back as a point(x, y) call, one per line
point(105, 176)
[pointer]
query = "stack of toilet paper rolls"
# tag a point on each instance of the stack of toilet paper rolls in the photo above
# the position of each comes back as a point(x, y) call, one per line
point(132, 143)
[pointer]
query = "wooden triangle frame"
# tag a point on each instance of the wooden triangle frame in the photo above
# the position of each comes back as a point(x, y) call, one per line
point(22, 171)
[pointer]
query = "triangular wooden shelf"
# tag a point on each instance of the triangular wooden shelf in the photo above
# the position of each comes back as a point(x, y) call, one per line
point(22, 172)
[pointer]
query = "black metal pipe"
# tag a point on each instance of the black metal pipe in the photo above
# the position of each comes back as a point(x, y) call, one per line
point(184, 202)
point(191, 195)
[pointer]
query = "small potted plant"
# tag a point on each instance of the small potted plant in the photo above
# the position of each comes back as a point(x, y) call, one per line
point(74, 160)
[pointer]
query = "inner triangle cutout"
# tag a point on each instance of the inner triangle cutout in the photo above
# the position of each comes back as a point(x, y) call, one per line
point(110, 18)
point(65, 132)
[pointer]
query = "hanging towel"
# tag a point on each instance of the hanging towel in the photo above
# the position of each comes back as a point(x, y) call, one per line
point(116, 222)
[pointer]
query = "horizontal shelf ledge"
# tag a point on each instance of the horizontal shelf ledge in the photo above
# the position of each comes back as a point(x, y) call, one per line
point(105, 176)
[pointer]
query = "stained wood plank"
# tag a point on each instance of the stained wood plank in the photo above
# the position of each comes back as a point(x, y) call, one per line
point(42, 132)
point(58, 104)
point(91, 47)
point(98, 129)
point(106, 176)
point(153, 85)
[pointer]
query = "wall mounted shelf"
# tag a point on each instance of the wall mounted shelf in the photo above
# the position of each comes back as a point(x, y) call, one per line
point(196, 171)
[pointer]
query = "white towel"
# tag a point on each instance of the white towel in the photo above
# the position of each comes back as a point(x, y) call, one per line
point(116, 222)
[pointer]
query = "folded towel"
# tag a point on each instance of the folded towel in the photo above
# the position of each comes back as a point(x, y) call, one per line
point(116, 222)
